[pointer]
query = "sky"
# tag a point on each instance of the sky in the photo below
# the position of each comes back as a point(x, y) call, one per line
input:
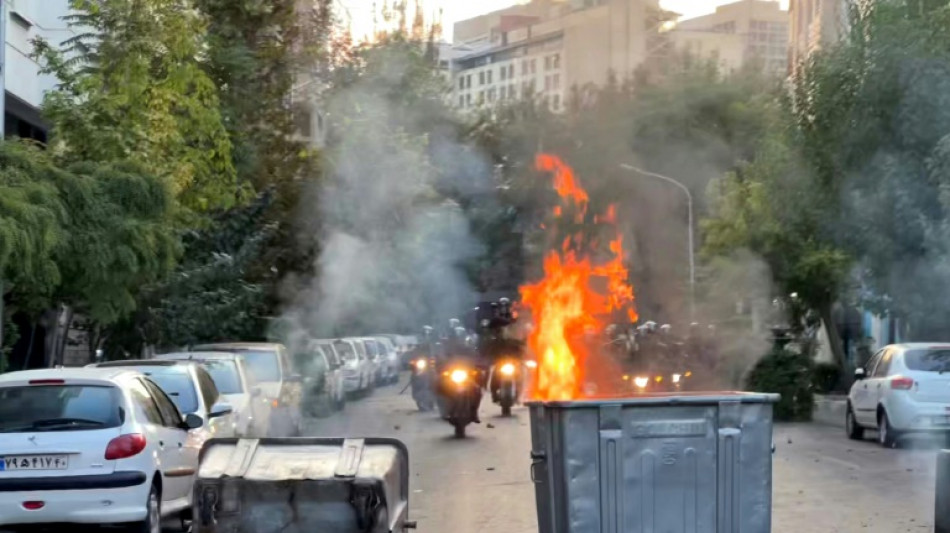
point(361, 11)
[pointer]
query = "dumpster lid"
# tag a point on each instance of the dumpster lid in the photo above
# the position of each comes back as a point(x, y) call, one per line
point(663, 398)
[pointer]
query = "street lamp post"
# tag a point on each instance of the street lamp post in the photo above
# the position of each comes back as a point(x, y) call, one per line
point(689, 201)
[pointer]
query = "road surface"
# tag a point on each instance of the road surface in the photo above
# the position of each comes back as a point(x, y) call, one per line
point(823, 482)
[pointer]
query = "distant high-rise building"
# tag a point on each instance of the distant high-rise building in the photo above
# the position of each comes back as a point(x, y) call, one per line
point(743, 33)
point(546, 47)
point(815, 23)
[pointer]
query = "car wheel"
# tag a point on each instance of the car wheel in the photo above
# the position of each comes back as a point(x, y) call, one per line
point(153, 514)
point(854, 430)
point(886, 434)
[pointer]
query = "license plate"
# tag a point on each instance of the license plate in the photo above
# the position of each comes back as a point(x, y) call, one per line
point(34, 462)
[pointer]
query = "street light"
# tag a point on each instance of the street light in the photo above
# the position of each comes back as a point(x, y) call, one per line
point(689, 200)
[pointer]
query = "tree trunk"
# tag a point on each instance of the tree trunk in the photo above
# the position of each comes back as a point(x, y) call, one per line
point(64, 336)
point(50, 321)
point(834, 339)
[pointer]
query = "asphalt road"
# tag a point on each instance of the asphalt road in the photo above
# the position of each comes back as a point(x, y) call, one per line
point(823, 482)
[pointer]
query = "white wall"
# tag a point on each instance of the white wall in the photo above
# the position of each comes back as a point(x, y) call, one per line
point(27, 20)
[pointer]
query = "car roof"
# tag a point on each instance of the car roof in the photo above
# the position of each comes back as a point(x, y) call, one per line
point(921, 345)
point(140, 362)
point(85, 373)
point(197, 356)
point(228, 346)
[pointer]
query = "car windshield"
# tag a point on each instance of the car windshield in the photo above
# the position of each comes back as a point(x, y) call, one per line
point(59, 408)
point(225, 375)
point(263, 365)
point(931, 360)
point(177, 384)
point(370, 349)
point(309, 361)
point(345, 350)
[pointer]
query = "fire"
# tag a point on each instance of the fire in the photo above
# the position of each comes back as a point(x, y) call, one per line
point(573, 299)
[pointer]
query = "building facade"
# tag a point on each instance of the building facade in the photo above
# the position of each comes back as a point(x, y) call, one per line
point(815, 23)
point(740, 34)
point(546, 48)
point(24, 85)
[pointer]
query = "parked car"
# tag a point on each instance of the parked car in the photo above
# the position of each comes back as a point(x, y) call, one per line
point(336, 363)
point(277, 386)
point(322, 378)
point(375, 355)
point(390, 358)
point(905, 388)
point(232, 378)
point(192, 390)
point(357, 368)
point(93, 446)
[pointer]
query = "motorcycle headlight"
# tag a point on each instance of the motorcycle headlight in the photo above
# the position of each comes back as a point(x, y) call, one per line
point(458, 376)
point(507, 369)
point(531, 364)
point(641, 382)
point(676, 378)
point(421, 364)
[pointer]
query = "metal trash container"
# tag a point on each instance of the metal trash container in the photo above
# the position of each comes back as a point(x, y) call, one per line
point(663, 463)
point(298, 485)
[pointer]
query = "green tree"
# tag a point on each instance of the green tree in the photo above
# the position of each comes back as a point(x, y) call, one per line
point(132, 87)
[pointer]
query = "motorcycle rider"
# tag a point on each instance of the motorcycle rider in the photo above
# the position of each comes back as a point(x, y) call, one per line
point(459, 349)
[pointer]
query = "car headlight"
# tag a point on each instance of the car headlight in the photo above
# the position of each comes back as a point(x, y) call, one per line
point(641, 382)
point(531, 364)
point(421, 364)
point(676, 378)
point(507, 369)
point(458, 376)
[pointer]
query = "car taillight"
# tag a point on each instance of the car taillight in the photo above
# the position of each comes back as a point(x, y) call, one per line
point(34, 505)
point(902, 383)
point(125, 446)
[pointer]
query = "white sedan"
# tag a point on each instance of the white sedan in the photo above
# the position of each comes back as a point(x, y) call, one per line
point(93, 446)
point(905, 388)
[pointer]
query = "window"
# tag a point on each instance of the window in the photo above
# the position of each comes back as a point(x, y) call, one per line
point(263, 365)
point(462, 101)
point(209, 392)
point(468, 100)
point(502, 73)
point(225, 375)
point(524, 67)
point(511, 71)
point(481, 97)
point(461, 82)
point(143, 400)
point(511, 91)
point(547, 63)
point(534, 66)
point(932, 360)
point(177, 383)
point(869, 368)
point(557, 102)
point(547, 83)
point(50, 408)
point(882, 367)
point(557, 61)
point(481, 78)
point(556, 81)
point(491, 94)
point(170, 414)
point(488, 76)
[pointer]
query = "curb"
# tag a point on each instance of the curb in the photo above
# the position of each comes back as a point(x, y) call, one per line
point(830, 410)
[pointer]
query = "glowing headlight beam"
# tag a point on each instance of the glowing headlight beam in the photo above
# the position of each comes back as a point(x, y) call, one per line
point(676, 378)
point(458, 376)
point(421, 364)
point(641, 382)
point(507, 369)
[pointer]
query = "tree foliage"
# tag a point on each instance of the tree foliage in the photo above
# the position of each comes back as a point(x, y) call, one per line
point(132, 88)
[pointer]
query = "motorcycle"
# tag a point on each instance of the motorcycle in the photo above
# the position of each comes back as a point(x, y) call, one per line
point(506, 384)
point(459, 393)
point(421, 383)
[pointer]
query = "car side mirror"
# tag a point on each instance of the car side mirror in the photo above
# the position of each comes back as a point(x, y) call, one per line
point(220, 409)
point(192, 421)
point(859, 374)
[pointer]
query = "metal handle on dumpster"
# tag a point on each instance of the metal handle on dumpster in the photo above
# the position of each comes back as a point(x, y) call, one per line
point(537, 458)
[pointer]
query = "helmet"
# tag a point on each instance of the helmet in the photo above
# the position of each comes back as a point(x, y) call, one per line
point(666, 329)
point(650, 326)
point(460, 332)
point(454, 323)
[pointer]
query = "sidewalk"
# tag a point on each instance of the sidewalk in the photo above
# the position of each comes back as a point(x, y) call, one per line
point(830, 410)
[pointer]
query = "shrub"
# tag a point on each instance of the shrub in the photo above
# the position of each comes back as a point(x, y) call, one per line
point(789, 374)
point(826, 377)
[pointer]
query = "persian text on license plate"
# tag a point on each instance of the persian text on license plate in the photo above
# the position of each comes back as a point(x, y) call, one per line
point(34, 462)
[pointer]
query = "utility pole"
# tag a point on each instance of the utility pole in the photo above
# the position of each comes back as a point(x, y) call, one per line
point(689, 207)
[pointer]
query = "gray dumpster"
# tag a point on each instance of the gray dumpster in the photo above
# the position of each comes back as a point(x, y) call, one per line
point(302, 485)
point(693, 463)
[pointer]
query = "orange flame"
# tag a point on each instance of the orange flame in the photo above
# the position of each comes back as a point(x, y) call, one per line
point(565, 304)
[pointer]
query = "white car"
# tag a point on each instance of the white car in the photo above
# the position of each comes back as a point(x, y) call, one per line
point(277, 386)
point(357, 368)
point(192, 390)
point(905, 388)
point(231, 377)
point(390, 358)
point(334, 373)
point(93, 446)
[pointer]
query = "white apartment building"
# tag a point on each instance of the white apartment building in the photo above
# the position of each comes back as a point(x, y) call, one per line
point(547, 48)
point(24, 86)
point(815, 23)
